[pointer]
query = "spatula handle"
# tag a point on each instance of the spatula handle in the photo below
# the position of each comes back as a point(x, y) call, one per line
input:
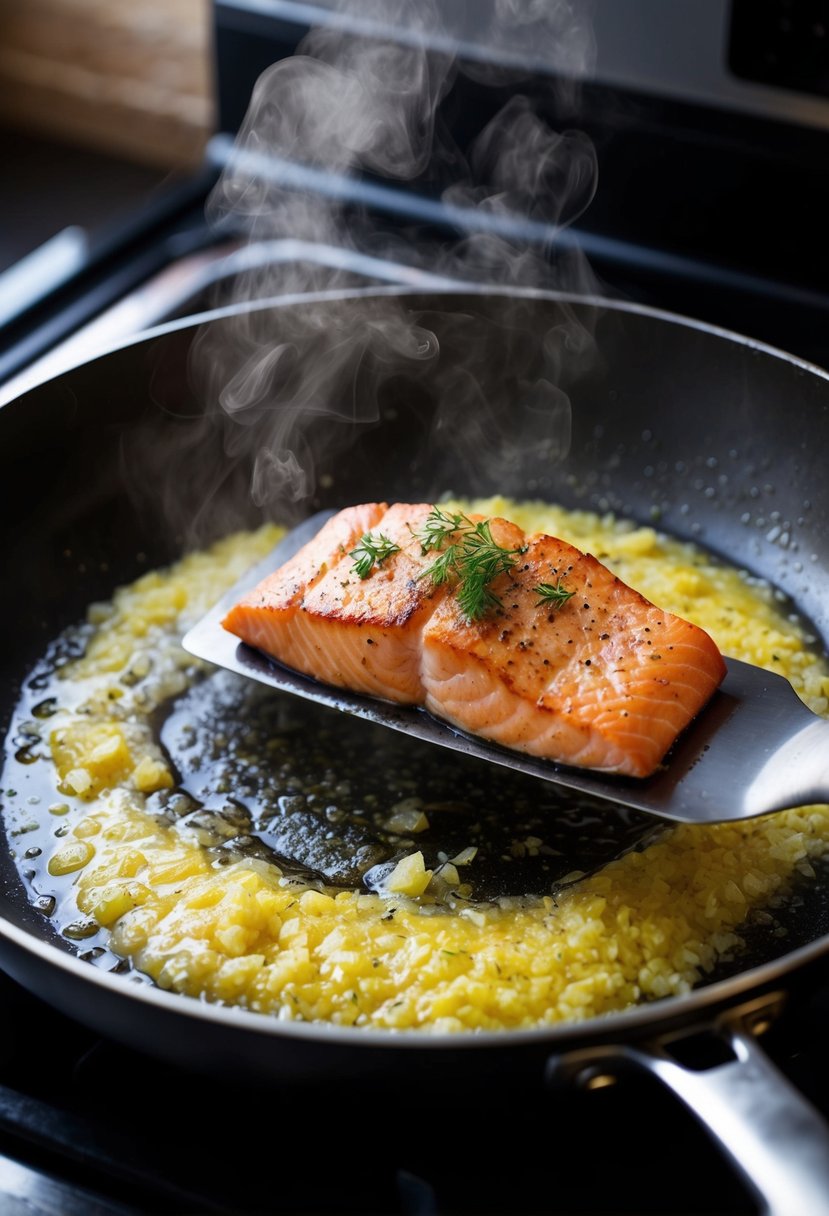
point(797, 774)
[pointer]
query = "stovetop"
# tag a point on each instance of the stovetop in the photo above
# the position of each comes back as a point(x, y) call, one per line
point(90, 1126)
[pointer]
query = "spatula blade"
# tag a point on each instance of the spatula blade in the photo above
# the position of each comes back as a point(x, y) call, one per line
point(754, 748)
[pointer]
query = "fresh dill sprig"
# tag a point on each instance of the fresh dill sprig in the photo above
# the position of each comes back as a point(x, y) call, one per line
point(481, 561)
point(553, 595)
point(439, 526)
point(371, 550)
point(473, 561)
point(444, 567)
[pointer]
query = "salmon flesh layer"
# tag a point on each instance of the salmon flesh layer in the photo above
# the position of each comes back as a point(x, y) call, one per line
point(604, 680)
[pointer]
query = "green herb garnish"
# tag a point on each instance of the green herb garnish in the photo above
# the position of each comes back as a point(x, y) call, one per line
point(553, 595)
point(439, 526)
point(370, 551)
point(473, 561)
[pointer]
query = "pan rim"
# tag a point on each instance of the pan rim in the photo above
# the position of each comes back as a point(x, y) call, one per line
point(292, 299)
point(639, 1019)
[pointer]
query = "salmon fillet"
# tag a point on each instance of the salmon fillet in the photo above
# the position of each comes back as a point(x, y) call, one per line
point(361, 634)
point(605, 680)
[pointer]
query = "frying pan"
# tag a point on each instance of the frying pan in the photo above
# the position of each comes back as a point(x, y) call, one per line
point(105, 470)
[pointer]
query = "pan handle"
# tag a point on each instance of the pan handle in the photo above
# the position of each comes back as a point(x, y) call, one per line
point(777, 1140)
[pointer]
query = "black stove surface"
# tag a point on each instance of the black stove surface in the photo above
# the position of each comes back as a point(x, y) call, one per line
point(90, 1126)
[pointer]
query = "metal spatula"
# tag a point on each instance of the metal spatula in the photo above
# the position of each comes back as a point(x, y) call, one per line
point(755, 747)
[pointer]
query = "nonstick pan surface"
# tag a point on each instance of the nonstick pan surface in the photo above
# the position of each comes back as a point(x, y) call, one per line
point(105, 472)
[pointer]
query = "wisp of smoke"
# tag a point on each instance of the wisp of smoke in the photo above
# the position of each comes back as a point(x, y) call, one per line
point(292, 390)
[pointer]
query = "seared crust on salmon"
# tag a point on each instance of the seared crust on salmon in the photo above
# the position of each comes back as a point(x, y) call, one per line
point(362, 634)
point(605, 681)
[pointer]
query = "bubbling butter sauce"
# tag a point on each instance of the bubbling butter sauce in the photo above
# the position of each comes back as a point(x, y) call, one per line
point(37, 816)
point(204, 833)
point(325, 797)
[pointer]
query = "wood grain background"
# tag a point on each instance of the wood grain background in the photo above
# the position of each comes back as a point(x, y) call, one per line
point(132, 77)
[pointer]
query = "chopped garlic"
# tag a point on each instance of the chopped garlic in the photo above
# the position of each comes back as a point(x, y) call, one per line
point(409, 876)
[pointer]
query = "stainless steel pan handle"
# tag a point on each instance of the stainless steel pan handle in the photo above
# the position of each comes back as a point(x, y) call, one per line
point(775, 1138)
point(770, 1132)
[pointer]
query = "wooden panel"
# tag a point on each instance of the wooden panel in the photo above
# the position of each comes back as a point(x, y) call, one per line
point(129, 78)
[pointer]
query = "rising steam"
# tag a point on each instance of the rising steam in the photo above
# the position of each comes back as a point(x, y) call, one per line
point(295, 392)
